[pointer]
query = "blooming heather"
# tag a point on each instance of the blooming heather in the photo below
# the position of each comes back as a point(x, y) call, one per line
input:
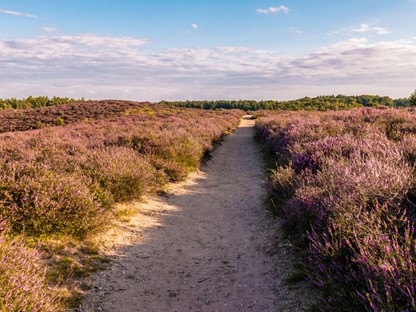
point(22, 279)
point(63, 180)
point(346, 183)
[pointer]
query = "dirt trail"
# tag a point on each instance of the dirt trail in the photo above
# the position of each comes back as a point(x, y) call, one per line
point(208, 245)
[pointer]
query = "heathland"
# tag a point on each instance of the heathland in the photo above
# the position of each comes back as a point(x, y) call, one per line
point(59, 183)
point(345, 190)
point(341, 183)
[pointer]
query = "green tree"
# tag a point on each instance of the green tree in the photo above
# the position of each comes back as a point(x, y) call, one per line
point(412, 99)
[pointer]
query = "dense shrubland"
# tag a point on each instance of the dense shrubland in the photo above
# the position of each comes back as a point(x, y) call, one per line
point(66, 113)
point(62, 181)
point(345, 187)
point(320, 103)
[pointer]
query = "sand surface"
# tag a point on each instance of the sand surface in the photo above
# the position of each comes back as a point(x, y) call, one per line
point(208, 244)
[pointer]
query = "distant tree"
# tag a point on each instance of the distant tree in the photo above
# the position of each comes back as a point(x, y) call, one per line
point(321, 103)
point(402, 102)
point(412, 99)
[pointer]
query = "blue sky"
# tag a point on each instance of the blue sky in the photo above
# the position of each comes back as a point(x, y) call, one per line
point(183, 49)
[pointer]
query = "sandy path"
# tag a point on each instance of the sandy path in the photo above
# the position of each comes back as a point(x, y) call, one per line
point(208, 245)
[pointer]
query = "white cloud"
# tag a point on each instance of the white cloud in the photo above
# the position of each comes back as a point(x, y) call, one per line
point(118, 67)
point(94, 40)
point(194, 26)
point(49, 29)
point(367, 27)
point(295, 30)
point(273, 10)
point(382, 31)
point(15, 13)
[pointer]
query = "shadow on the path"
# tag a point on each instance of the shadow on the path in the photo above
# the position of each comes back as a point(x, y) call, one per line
point(208, 244)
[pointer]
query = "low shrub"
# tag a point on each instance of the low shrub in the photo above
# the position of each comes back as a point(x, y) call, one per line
point(346, 185)
point(281, 186)
point(121, 171)
point(62, 181)
point(37, 201)
point(67, 112)
point(23, 286)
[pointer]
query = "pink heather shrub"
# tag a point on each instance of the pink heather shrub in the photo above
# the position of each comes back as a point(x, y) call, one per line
point(37, 201)
point(121, 171)
point(371, 268)
point(281, 185)
point(310, 155)
point(408, 148)
point(357, 180)
point(69, 113)
point(347, 192)
point(23, 286)
point(65, 179)
point(387, 263)
point(168, 169)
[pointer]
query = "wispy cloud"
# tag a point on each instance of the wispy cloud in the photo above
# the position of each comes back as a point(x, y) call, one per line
point(194, 26)
point(50, 29)
point(15, 13)
point(295, 30)
point(367, 27)
point(118, 67)
point(273, 10)
point(92, 40)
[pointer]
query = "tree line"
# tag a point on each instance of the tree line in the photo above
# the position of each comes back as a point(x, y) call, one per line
point(35, 102)
point(319, 103)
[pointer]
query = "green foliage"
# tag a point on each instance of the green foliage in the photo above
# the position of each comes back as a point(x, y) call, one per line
point(34, 102)
point(320, 103)
point(402, 102)
point(59, 121)
point(412, 99)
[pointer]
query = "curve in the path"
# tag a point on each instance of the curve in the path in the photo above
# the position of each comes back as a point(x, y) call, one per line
point(212, 248)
